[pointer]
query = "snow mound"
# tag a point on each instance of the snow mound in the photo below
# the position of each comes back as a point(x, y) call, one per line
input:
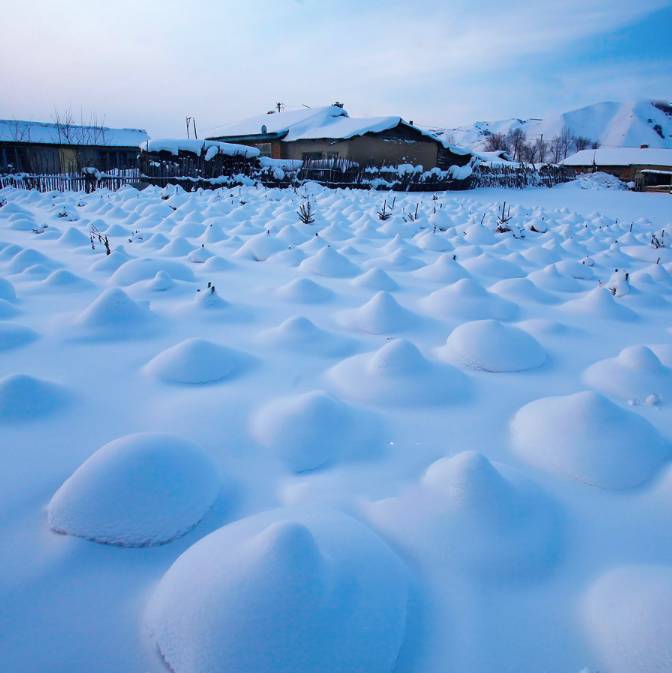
point(114, 314)
point(398, 373)
point(7, 291)
point(65, 280)
point(260, 247)
point(375, 279)
point(136, 270)
point(522, 290)
point(26, 398)
point(282, 592)
point(493, 347)
point(301, 335)
point(197, 361)
point(139, 490)
point(328, 262)
point(380, 315)
point(466, 299)
point(505, 526)
point(312, 430)
point(15, 336)
point(586, 437)
point(635, 374)
point(599, 303)
point(304, 291)
point(7, 310)
point(627, 614)
point(444, 270)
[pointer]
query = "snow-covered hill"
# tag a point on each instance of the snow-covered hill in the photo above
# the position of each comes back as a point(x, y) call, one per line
point(628, 124)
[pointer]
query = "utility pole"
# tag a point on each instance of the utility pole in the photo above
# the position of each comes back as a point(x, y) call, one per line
point(279, 106)
point(187, 119)
point(193, 121)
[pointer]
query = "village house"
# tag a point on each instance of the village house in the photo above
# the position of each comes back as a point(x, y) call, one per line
point(649, 168)
point(329, 133)
point(39, 147)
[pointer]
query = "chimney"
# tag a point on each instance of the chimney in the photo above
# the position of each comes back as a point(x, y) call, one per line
point(411, 122)
point(643, 147)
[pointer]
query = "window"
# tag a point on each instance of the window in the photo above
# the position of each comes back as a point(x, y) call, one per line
point(312, 156)
point(332, 156)
point(265, 149)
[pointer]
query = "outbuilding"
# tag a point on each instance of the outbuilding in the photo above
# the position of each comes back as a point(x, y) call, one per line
point(50, 148)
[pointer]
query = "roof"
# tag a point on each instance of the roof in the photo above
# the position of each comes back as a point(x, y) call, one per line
point(211, 147)
point(280, 123)
point(46, 133)
point(621, 156)
point(331, 122)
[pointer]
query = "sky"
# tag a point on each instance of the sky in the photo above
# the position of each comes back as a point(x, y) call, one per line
point(149, 63)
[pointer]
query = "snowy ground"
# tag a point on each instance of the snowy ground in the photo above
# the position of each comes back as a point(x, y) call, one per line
point(425, 446)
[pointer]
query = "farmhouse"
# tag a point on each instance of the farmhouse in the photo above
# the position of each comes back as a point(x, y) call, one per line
point(648, 168)
point(329, 133)
point(38, 147)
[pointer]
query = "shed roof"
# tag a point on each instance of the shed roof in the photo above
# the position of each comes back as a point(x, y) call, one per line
point(47, 133)
point(621, 156)
point(211, 147)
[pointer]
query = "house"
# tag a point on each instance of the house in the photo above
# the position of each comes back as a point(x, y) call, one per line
point(645, 166)
point(39, 147)
point(329, 133)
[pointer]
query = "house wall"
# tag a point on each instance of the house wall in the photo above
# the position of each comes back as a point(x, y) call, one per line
point(368, 149)
point(625, 173)
point(35, 158)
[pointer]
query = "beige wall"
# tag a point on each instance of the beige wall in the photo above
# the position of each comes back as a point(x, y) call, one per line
point(368, 150)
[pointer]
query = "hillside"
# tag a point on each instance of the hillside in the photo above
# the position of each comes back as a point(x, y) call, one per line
point(627, 124)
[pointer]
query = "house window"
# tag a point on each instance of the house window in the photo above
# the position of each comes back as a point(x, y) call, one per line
point(264, 148)
point(332, 156)
point(312, 156)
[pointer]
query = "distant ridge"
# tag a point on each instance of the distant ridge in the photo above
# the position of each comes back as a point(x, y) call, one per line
point(626, 124)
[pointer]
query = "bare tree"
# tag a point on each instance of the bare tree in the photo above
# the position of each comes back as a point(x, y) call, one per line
point(582, 143)
point(496, 142)
point(541, 149)
point(516, 139)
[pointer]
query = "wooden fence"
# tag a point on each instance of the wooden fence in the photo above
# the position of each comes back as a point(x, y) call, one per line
point(70, 182)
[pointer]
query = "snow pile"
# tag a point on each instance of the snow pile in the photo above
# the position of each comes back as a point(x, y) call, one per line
point(469, 515)
point(398, 373)
point(304, 291)
point(197, 361)
point(586, 437)
point(301, 335)
point(380, 315)
point(15, 336)
point(627, 614)
point(113, 314)
point(468, 300)
point(314, 429)
point(493, 347)
point(282, 592)
point(138, 490)
point(636, 375)
point(596, 181)
point(25, 398)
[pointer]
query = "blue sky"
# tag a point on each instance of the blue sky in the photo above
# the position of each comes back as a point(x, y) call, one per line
point(442, 62)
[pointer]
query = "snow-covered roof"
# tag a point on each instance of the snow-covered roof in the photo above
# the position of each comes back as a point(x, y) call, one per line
point(621, 156)
point(211, 147)
point(281, 123)
point(46, 133)
point(330, 122)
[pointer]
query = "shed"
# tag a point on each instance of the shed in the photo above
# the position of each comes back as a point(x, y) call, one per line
point(42, 147)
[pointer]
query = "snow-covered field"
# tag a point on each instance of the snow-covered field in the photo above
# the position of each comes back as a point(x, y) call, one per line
point(242, 443)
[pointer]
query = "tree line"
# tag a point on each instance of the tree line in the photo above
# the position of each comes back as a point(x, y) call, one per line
point(539, 149)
